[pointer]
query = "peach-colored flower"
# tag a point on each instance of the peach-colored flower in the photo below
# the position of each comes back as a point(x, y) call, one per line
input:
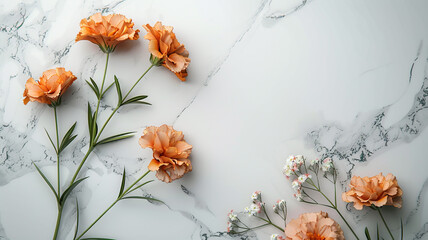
point(313, 226)
point(107, 31)
point(170, 152)
point(51, 85)
point(378, 190)
point(164, 46)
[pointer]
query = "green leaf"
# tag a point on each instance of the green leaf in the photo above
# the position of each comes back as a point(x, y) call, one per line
point(90, 124)
point(142, 198)
point(53, 145)
point(119, 92)
point(68, 138)
point(116, 137)
point(366, 231)
point(97, 239)
point(377, 231)
point(136, 100)
point(94, 88)
point(137, 187)
point(47, 181)
point(77, 220)
point(122, 185)
point(68, 191)
point(111, 85)
point(90, 118)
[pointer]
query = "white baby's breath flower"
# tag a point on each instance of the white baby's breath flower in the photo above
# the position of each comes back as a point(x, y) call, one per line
point(229, 227)
point(255, 208)
point(313, 162)
point(247, 210)
point(232, 216)
point(282, 204)
point(302, 178)
point(299, 159)
point(275, 208)
point(276, 237)
point(256, 196)
point(295, 184)
point(287, 171)
point(298, 196)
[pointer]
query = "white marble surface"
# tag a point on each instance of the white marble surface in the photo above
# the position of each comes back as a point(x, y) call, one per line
point(268, 78)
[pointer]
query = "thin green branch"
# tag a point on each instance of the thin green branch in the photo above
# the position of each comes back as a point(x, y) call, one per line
point(384, 222)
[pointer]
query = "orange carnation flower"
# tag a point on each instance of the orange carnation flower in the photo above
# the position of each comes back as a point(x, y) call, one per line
point(378, 190)
point(107, 31)
point(167, 50)
point(170, 152)
point(317, 226)
point(50, 87)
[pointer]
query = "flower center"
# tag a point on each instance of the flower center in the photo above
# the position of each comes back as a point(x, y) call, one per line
point(315, 236)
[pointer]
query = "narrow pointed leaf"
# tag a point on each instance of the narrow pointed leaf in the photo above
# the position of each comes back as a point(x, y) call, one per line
point(142, 198)
point(135, 99)
point(366, 231)
point(122, 185)
point(137, 187)
point(116, 137)
point(50, 139)
point(93, 89)
point(68, 138)
point(89, 118)
point(119, 91)
point(377, 231)
point(94, 128)
point(97, 239)
point(111, 85)
point(96, 87)
point(140, 102)
point(69, 190)
point(76, 230)
point(47, 181)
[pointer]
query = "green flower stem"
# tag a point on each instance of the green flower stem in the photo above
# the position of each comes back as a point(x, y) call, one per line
point(117, 108)
point(96, 220)
point(384, 222)
point(57, 153)
point(95, 120)
point(81, 164)
point(102, 87)
point(334, 206)
point(271, 223)
point(114, 203)
point(135, 84)
point(58, 221)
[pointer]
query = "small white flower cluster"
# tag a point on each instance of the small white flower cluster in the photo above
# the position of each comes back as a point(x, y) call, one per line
point(232, 219)
point(292, 164)
point(298, 196)
point(296, 184)
point(326, 164)
point(232, 216)
point(253, 209)
point(276, 237)
point(314, 162)
point(280, 205)
point(256, 196)
point(256, 207)
point(230, 227)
